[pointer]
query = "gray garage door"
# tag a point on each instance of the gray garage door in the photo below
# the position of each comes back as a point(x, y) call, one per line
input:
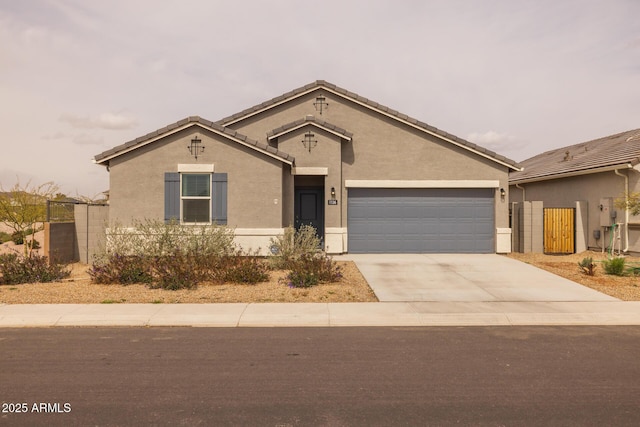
point(417, 220)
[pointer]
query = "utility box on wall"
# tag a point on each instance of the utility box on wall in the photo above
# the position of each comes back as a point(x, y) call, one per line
point(607, 213)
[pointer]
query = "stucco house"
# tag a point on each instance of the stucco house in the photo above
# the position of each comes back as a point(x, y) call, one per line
point(588, 176)
point(370, 179)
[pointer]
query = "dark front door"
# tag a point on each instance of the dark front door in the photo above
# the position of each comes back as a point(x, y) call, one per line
point(309, 209)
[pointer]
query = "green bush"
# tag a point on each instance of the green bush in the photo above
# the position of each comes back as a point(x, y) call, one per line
point(4, 237)
point(16, 269)
point(587, 266)
point(614, 266)
point(122, 269)
point(17, 238)
point(293, 245)
point(310, 270)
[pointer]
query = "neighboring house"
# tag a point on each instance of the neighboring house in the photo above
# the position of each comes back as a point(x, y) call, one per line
point(590, 175)
point(369, 178)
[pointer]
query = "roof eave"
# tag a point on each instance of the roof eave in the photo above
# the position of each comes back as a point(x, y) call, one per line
point(626, 165)
point(104, 160)
point(274, 135)
point(322, 85)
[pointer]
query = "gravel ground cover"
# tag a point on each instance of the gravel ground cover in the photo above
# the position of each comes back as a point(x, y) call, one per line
point(78, 289)
point(626, 288)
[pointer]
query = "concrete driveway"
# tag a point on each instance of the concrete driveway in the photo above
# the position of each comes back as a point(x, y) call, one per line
point(465, 278)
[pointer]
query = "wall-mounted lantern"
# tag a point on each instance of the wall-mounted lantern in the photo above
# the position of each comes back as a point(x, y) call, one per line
point(503, 193)
point(332, 200)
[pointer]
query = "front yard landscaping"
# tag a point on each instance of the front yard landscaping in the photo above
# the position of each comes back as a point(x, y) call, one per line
point(170, 263)
point(626, 287)
point(270, 279)
point(78, 289)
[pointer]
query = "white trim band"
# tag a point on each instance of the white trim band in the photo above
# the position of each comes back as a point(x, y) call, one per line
point(309, 171)
point(192, 167)
point(258, 231)
point(444, 183)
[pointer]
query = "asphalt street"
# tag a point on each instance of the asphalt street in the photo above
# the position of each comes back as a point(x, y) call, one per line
point(563, 376)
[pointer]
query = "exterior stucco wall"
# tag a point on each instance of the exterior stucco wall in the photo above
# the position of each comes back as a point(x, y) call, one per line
point(565, 192)
point(254, 180)
point(287, 198)
point(382, 148)
point(325, 154)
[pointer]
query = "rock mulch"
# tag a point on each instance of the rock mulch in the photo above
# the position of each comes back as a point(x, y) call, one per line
point(626, 288)
point(78, 289)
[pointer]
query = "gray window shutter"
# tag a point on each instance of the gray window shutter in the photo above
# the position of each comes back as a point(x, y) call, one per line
point(219, 198)
point(171, 196)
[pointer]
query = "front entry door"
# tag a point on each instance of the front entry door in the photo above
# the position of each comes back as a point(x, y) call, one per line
point(309, 209)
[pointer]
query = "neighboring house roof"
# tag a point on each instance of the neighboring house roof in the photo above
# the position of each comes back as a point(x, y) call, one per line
point(328, 87)
point(310, 120)
point(617, 151)
point(104, 157)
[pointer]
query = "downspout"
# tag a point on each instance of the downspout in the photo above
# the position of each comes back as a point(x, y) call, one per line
point(626, 210)
point(524, 199)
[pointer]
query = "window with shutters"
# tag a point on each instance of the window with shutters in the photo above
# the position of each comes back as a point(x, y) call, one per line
point(195, 198)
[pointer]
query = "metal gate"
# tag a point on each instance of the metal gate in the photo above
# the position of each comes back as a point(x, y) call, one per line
point(559, 230)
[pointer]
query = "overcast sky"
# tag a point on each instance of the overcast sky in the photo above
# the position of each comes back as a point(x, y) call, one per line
point(78, 77)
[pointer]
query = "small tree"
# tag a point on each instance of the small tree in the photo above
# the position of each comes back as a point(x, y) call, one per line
point(630, 201)
point(22, 207)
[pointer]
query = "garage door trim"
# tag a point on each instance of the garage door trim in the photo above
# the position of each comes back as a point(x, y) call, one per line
point(439, 183)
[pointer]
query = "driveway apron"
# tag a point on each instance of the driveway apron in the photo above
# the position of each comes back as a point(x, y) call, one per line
point(465, 278)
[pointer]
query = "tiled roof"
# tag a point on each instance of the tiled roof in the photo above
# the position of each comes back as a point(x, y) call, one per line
point(370, 104)
point(309, 119)
point(192, 121)
point(591, 156)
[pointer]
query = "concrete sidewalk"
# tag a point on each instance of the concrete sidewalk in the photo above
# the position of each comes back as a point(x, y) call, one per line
point(323, 314)
point(414, 290)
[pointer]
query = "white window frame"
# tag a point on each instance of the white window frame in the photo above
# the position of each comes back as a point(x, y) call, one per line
point(182, 198)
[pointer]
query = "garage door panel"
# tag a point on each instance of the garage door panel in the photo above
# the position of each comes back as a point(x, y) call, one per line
point(420, 220)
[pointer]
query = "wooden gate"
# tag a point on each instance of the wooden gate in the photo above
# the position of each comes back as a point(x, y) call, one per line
point(559, 230)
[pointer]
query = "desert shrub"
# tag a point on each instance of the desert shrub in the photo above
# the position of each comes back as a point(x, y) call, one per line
point(122, 269)
point(614, 266)
point(155, 238)
point(177, 270)
point(294, 244)
point(241, 268)
point(4, 237)
point(587, 266)
point(18, 238)
point(174, 256)
point(310, 270)
point(16, 269)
